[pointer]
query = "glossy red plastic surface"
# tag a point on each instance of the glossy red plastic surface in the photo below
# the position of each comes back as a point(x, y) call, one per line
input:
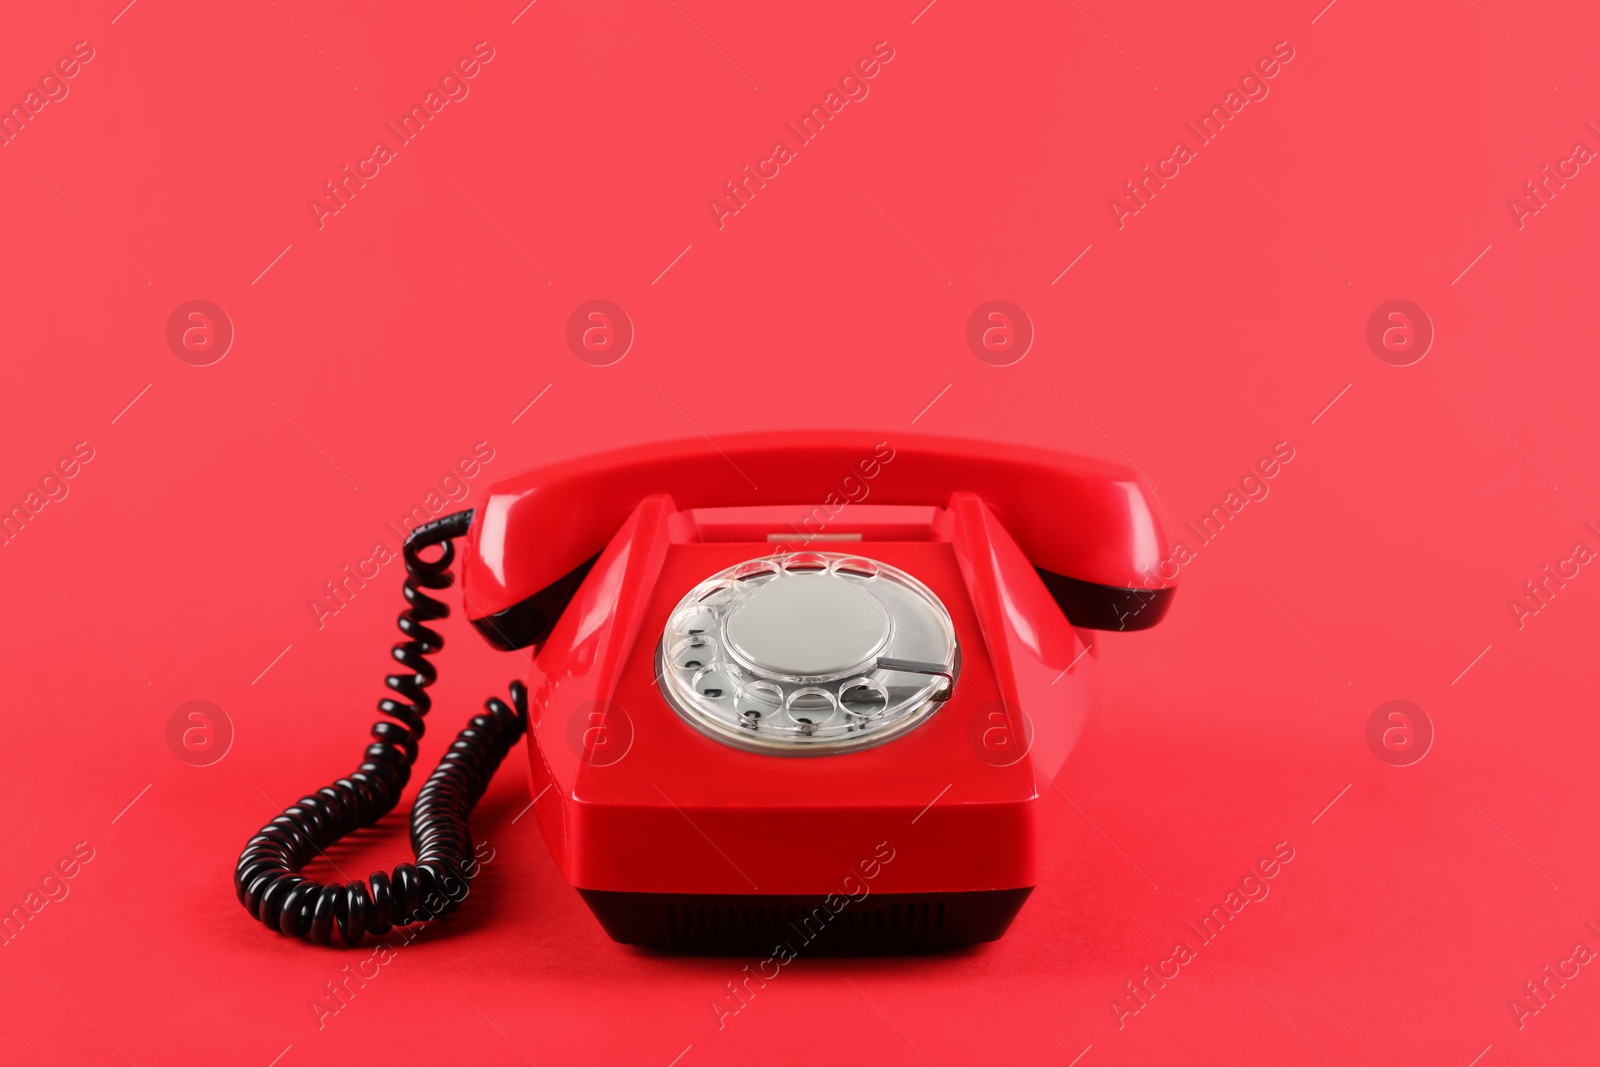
point(664, 808)
point(1071, 515)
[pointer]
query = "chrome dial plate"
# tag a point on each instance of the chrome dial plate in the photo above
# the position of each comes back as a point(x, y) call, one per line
point(807, 653)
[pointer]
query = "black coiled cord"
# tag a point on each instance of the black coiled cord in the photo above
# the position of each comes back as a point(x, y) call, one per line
point(266, 879)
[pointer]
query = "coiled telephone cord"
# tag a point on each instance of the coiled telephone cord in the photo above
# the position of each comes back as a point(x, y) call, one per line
point(267, 879)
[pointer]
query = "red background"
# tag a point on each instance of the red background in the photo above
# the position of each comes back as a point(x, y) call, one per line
point(1222, 319)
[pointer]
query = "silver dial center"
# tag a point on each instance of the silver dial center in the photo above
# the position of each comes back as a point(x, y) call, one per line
point(816, 626)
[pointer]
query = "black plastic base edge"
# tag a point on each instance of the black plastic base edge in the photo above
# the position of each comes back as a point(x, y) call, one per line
point(762, 924)
point(1106, 607)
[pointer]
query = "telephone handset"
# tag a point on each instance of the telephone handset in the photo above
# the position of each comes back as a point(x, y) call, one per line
point(906, 614)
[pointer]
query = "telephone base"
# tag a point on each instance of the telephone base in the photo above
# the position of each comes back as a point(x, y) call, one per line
point(761, 923)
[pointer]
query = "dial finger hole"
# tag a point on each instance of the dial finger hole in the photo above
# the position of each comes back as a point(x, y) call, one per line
point(863, 698)
point(713, 683)
point(809, 709)
point(717, 594)
point(755, 572)
point(694, 623)
point(694, 653)
point(757, 703)
point(856, 567)
point(805, 563)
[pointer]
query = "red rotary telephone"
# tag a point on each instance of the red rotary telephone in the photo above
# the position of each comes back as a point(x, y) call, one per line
point(793, 684)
